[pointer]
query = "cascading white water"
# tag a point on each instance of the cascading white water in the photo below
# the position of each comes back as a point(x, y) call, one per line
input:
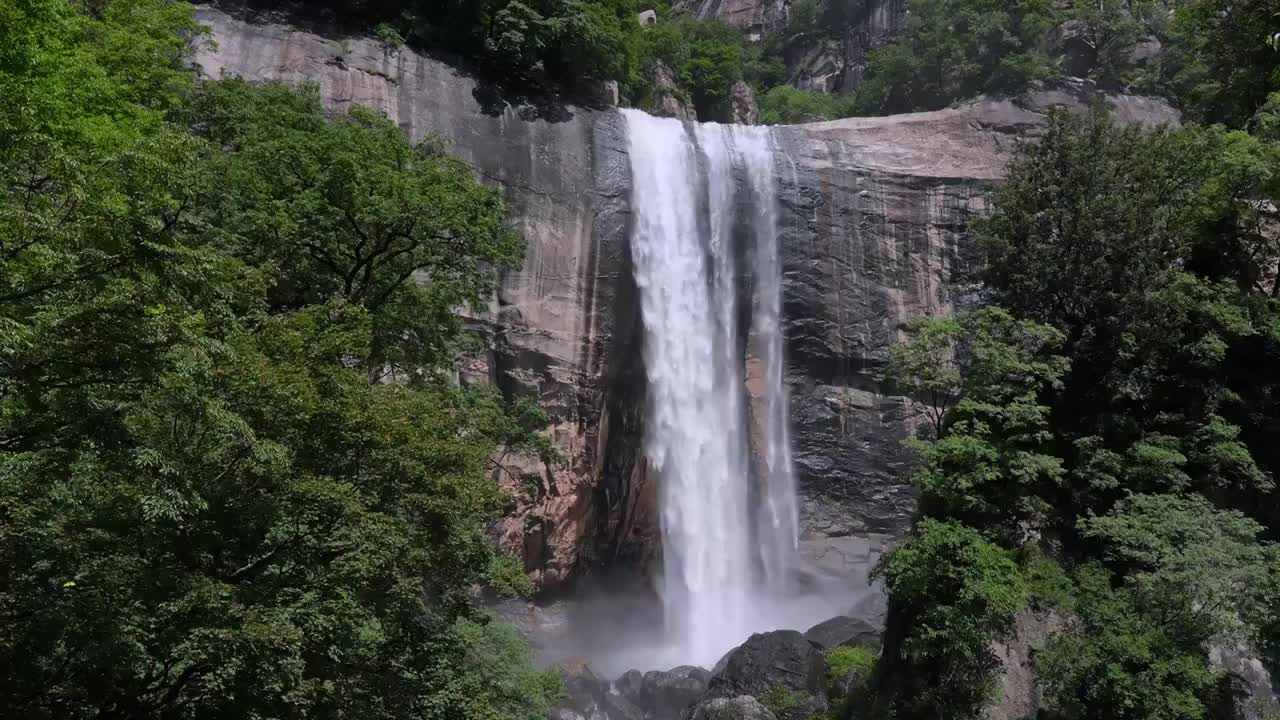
point(779, 515)
point(724, 562)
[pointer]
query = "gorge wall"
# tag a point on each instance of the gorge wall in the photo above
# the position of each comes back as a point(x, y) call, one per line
point(872, 234)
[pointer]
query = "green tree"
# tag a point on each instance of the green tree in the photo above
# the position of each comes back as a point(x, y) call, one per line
point(951, 591)
point(1222, 67)
point(1201, 572)
point(1137, 245)
point(978, 379)
point(349, 208)
point(1114, 662)
point(210, 506)
point(785, 105)
point(955, 49)
point(985, 355)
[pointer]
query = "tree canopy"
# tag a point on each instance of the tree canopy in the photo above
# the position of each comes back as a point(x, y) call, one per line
point(234, 479)
point(1109, 416)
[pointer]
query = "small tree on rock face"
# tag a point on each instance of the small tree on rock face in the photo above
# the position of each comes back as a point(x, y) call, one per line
point(978, 378)
point(985, 356)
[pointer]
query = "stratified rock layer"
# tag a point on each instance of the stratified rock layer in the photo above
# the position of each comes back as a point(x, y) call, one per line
point(873, 214)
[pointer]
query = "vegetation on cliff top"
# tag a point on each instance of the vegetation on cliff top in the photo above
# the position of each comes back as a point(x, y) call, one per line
point(1211, 58)
point(212, 502)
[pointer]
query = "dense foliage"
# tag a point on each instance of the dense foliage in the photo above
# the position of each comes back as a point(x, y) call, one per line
point(213, 502)
point(1111, 417)
point(952, 49)
point(1211, 57)
point(785, 105)
point(952, 590)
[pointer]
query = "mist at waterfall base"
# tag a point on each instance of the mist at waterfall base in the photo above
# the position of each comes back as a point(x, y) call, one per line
point(704, 240)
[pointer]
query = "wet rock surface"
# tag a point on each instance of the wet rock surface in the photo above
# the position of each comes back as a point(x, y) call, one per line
point(782, 659)
point(849, 631)
point(668, 693)
point(584, 693)
point(743, 707)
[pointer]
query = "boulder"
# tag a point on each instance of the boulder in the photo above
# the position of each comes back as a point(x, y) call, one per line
point(1019, 693)
point(631, 686)
point(619, 707)
point(668, 98)
point(584, 692)
point(743, 101)
point(781, 659)
point(587, 696)
point(843, 630)
point(1250, 690)
point(743, 707)
point(610, 94)
point(1146, 50)
point(666, 694)
point(1070, 39)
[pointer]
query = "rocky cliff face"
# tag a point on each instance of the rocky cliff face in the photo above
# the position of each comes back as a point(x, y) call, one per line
point(832, 63)
point(758, 17)
point(874, 214)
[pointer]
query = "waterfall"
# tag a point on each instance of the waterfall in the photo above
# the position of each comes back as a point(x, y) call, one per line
point(727, 546)
point(779, 513)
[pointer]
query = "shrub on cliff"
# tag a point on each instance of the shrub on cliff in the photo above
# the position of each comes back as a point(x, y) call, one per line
point(785, 105)
point(1115, 662)
point(981, 379)
point(707, 57)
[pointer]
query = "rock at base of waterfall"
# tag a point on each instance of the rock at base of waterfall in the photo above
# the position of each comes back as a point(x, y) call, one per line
point(666, 694)
point(767, 661)
point(587, 696)
point(843, 630)
point(743, 707)
point(631, 686)
point(743, 101)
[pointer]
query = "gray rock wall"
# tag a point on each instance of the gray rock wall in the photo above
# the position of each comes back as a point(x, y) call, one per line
point(874, 213)
point(755, 16)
